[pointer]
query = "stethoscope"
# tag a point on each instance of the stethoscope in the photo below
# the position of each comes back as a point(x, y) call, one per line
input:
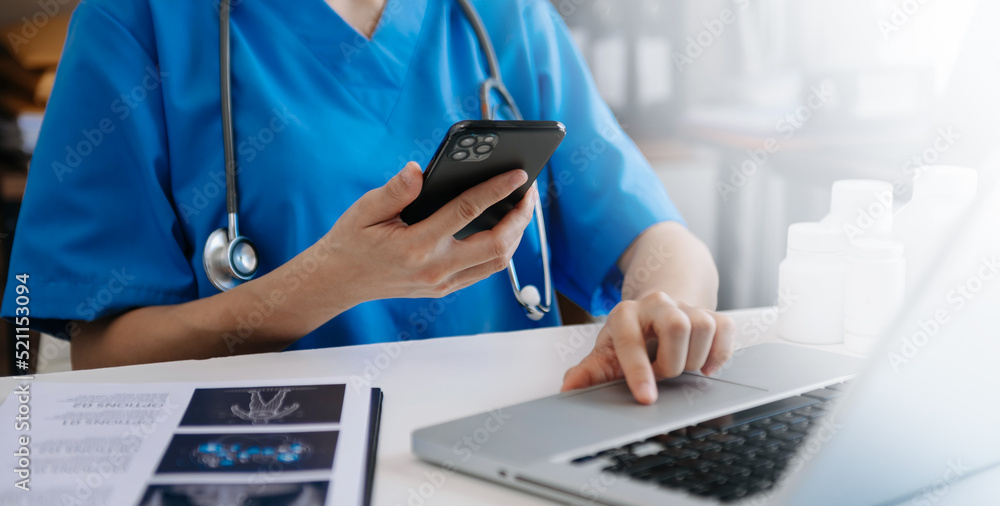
point(231, 258)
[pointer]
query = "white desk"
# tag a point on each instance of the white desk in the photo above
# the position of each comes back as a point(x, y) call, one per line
point(428, 382)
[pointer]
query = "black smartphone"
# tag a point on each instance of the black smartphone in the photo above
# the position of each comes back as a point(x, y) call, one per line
point(473, 152)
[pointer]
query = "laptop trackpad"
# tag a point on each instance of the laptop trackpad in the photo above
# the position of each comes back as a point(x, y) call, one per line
point(752, 374)
point(687, 396)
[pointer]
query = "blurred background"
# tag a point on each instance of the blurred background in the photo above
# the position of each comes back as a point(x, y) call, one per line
point(750, 109)
point(747, 109)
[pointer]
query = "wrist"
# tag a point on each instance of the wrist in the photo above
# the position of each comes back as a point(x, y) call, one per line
point(321, 282)
point(296, 298)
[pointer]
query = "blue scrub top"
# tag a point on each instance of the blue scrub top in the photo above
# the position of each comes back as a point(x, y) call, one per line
point(127, 181)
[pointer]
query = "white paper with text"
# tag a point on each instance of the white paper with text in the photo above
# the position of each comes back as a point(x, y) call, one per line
point(295, 442)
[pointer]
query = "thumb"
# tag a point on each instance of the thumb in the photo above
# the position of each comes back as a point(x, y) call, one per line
point(385, 203)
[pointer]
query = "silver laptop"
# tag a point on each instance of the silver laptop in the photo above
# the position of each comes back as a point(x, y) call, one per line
point(781, 424)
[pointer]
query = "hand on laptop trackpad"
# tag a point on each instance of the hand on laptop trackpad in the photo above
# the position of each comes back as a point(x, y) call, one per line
point(753, 373)
point(686, 393)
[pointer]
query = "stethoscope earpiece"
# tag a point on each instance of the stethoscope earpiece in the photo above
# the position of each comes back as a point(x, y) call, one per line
point(530, 296)
point(531, 301)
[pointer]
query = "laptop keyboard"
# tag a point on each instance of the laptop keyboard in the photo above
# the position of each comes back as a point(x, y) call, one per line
point(727, 458)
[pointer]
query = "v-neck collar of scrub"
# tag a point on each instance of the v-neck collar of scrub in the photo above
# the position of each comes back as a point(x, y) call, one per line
point(372, 70)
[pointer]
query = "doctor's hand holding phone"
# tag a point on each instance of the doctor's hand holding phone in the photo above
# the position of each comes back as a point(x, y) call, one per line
point(390, 259)
point(458, 223)
point(471, 153)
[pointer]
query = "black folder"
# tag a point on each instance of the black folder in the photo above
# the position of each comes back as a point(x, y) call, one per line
point(374, 422)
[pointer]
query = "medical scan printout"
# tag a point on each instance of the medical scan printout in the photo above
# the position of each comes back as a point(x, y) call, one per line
point(285, 442)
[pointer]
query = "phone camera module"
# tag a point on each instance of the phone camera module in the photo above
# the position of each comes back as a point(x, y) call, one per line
point(474, 148)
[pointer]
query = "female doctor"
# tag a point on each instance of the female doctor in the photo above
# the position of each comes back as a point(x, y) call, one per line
point(329, 99)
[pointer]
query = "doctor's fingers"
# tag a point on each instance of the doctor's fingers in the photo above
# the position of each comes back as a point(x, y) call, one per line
point(471, 276)
point(688, 338)
point(628, 356)
point(670, 329)
point(722, 343)
point(386, 202)
point(497, 245)
point(701, 336)
point(702, 333)
point(455, 215)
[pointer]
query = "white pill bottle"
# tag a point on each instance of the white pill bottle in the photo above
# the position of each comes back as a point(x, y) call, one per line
point(813, 277)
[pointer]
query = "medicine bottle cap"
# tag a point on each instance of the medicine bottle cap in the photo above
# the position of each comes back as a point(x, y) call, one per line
point(816, 238)
point(876, 250)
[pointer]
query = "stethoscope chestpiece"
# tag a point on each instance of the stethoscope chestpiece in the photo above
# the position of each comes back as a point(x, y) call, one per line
point(229, 262)
point(242, 256)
